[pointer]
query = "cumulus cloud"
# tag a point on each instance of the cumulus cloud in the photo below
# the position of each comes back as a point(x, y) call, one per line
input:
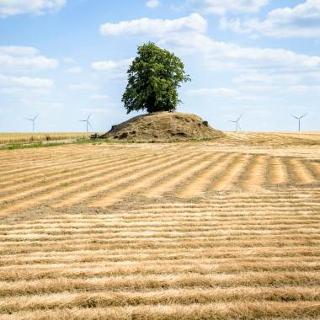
point(25, 82)
point(74, 70)
point(15, 7)
point(82, 86)
point(267, 69)
point(226, 93)
point(218, 54)
point(155, 27)
point(302, 20)
point(266, 72)
point(187, 38)
point(153, 4)
point(219, 7)
point(216, 92)
point(255, 77)
point(111, 65)
point(95, 110)
point(99, 97)
point(113, 69)
point(15, 59)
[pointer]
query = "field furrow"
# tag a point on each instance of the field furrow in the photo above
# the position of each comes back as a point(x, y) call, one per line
point(202, 182)
point(147, 282)
point(146, 181)
point(171, 181)
point(69, 185)
point(94, 269)
point(300, 173)
point(233, 311)
point(131, 177)
point(277, 172)
point(60, 172)
point(230, 177)
point(315, 168)
point(254, 176)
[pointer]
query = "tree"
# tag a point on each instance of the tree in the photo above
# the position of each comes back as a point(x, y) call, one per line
point(153, 80)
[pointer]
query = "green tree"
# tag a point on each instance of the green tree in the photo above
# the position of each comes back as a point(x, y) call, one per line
point(153, 80)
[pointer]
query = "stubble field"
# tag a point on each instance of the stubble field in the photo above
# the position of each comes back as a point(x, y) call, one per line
point(208, 230)
point(25, 138)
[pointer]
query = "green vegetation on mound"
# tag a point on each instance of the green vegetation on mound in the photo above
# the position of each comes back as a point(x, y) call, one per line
point(163, 127)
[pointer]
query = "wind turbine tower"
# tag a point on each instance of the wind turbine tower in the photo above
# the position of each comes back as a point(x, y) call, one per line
point(237, 123)
point(33, 120)
point(87, 121)
point(299, 118)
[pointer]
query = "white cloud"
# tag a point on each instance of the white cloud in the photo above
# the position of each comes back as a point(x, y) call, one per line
point(25, 82)
point(15, 59)
point(14, 7)
point(221, 55)
point(113, 69)
point(220, 7)
point(178, 36)
point(69, 60)
point(216, 92)
point(95, 110)
point(82, 86)
point(303, 21)
point(99, 97)
point(155, 27)
point(257, 78)
point(239, 94)
point(251, 75)
point(153, 4)
point(263, 83)
point(111, 65)
point(256, 74)
point(74, 70)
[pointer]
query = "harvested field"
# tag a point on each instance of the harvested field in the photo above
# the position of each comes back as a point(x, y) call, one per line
point(18, 137)
point(208, 230)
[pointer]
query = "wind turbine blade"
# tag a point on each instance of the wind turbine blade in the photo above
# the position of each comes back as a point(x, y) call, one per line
point(36, 116)
point(296, 117)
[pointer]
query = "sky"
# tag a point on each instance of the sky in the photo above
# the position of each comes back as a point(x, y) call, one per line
point(66, 59)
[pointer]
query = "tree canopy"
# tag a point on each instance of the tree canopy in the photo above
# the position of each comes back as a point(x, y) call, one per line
point(153, 80)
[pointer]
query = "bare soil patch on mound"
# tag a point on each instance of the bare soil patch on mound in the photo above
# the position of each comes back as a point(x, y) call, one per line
point(163, 127)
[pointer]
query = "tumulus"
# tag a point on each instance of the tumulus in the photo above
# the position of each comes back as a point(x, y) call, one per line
point(163, 127)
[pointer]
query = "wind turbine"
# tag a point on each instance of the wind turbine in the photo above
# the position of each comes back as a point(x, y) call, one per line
point(33, 120)
point(237, 123)
point(299, 118)
point(87, 121)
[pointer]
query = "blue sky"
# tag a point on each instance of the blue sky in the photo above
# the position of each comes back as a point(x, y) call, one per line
point(65, 59)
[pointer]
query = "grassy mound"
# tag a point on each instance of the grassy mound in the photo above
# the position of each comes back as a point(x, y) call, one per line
point(163, 127)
